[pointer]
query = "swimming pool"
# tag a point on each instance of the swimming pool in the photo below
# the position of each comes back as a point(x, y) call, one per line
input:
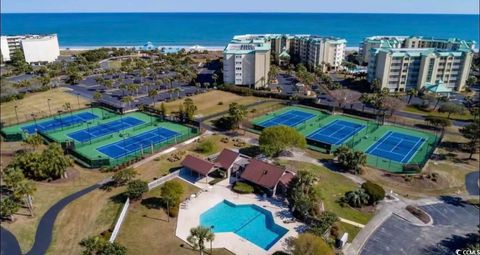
point(251, 222)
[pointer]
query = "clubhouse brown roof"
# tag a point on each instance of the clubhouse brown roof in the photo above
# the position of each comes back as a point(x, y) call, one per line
point(226, 158)
point(262, 173)
point(198, 165)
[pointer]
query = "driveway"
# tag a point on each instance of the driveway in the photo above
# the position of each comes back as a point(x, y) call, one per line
point(454, 225)
point(472, 183)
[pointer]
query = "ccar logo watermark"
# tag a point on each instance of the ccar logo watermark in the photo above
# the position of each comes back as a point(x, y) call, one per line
point(467, 252)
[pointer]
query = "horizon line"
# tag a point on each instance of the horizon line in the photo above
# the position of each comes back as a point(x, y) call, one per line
point(233, 12)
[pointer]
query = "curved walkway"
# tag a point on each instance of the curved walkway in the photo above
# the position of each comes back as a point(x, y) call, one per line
point(44, 234)
point(472, 183)
point(9, 244)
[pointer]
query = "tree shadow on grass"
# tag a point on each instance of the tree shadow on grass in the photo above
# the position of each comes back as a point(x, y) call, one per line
point(153, 203)
point(119, 198)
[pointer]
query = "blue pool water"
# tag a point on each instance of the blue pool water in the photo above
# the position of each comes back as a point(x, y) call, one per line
point(251, 222)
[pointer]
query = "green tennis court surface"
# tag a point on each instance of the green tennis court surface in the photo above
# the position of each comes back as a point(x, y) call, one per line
point(390, 148)
point(54, 123)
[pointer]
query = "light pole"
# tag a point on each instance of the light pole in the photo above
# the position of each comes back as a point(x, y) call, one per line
point(49, 109)
point(16, 114)
point(78, 100)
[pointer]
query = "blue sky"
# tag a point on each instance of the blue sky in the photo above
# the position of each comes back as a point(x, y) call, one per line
point(349, 6)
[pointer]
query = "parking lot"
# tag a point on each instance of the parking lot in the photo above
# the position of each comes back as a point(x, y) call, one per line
point(113, 96)
point(454, 226)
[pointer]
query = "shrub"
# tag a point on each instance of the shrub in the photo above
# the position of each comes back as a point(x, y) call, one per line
point(124, 176)
point(410, 168)
point(421, 215)
point(205, 147)
point(173, 211)
point(374, 191)
point(243, 188)
point(136, 188)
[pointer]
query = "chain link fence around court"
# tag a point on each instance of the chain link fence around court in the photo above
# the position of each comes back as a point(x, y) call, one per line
point(415, 165)
point(138, 154)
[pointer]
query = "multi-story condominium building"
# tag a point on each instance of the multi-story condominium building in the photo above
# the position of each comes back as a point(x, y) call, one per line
point(312, 51)
point(395, 42)
point(36, 48)
point(401, 69)
point(247, 61)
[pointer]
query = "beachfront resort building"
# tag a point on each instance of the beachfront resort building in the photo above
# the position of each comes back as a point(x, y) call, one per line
point(396, 42)
point(37, 49)
point(401, 69)
point(247, 62)
point(247, 57)
point(402, 63)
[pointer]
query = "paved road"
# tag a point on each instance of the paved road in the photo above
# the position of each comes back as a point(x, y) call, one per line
point(8, 243)
point(471, 183)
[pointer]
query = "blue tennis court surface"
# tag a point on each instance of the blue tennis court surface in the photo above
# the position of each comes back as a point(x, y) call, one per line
point(136, 143)
point(105, 129)
point(59, 122)
point(396, 146)
point(336, 132)
point(290, 118)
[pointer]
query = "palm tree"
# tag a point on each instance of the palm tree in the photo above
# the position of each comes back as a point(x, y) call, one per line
point(198, 237)
point(56, 162)
point(123, 87)
point(25, 189)
point(411, 93)
point(45, 81)
point(442, 99)
point(153, 93)
point(177, 90)
point(357, 198)
point(34, 141)
point(97, 96)
point(215, 77)
point(127, 100)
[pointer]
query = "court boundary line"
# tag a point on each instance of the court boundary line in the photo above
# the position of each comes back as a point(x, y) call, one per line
point(419, 147)
point(389, 134)
point(120, 121)
point(354, 130)
point(311, 115)
point(130, 152)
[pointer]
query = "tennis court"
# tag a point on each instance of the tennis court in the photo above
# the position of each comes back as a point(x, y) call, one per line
point(136, 143)
point(105, 129)
point(290, 118)
point(59, 122)
point(336, 132)
point(396, 146)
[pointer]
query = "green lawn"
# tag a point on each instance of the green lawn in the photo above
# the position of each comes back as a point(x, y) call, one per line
point(147, 231)
point(331, 187)
point(350, 229)
point(413, 109)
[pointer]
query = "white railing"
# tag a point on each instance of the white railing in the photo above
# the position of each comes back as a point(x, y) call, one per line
point(120, 220)
point(163, 179)
point(151, 186)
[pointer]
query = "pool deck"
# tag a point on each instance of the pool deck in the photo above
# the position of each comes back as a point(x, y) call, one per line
point(190, 211)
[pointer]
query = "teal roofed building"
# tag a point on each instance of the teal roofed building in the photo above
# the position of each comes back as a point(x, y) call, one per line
point(437, 88)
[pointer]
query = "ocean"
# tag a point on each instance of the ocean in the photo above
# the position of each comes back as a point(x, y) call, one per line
point(216, 29)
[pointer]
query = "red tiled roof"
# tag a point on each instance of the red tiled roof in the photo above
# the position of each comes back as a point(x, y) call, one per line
point(262, 173)
point(198, 165)
point(286, 178)
point(226, 158)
